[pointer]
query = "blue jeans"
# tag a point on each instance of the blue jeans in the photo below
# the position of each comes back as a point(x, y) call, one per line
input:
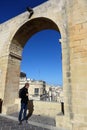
point(23, 112)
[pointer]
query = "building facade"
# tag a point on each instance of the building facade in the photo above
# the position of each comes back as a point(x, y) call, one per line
point(40, 90)
point(37, 88)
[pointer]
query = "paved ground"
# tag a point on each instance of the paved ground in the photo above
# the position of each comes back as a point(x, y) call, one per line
point(8, 124)
point(11, 123)
point(40, 119)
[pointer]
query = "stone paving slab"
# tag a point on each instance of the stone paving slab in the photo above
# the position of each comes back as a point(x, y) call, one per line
point(11, 123)
point(8, 124)
point(40, 119)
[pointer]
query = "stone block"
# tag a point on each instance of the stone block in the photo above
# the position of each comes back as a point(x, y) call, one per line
point(9, 109)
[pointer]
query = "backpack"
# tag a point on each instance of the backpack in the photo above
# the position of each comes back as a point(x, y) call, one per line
point(20, 93)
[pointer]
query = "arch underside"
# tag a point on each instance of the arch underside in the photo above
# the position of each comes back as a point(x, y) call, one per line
point(31, 27)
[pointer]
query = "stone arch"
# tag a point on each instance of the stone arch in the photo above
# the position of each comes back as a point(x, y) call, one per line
point(52, 18)
point(31, 27)
point(68, 17)
point(13, 51)
point(18, 41)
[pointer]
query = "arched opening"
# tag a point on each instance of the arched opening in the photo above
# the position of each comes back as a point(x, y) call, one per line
point(23, 34)
point(31, 27)
point(42, 62)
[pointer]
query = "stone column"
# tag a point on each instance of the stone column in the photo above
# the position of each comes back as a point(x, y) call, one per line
point(3, 71)
point(64, 120)
point(11, 84)
point(77, 24)
point(12, 78)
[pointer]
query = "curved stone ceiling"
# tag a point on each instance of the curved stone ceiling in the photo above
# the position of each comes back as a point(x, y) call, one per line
point(31, 27)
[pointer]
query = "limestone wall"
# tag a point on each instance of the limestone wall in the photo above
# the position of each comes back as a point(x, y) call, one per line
point(77, 18)
point(50, 109)
point(10, 47)
point(3, 71)
point(70, 18)
point(75, 85)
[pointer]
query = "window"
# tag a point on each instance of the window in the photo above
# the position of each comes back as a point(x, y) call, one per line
point(36, 91)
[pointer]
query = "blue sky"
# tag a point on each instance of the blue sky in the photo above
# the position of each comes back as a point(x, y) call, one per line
point(11, 8)
point(41, 57)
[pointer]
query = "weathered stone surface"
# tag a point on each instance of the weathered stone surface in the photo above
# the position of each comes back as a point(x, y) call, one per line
point(70, 19)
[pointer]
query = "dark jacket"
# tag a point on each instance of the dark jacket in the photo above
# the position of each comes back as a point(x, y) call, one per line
point(24, 98)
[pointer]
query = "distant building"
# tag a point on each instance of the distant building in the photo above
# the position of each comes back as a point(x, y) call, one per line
point(23, 79)
point(39, 90)
point(54, 93)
